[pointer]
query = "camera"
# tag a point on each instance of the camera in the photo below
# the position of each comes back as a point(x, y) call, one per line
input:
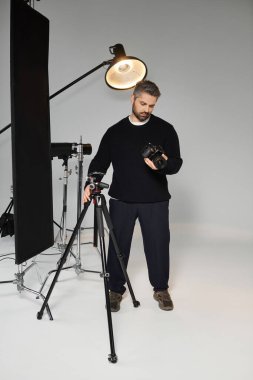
point(154, 153)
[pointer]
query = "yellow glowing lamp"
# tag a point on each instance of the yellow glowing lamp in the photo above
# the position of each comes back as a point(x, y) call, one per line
point(124, 71)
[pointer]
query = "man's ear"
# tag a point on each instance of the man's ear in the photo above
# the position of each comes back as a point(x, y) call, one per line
point(132, 99)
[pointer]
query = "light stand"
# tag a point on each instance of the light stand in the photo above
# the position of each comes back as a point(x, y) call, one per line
point(63, 230)
point(79, 201)
point(65, 151)
point(19, 276)
point(19, 281)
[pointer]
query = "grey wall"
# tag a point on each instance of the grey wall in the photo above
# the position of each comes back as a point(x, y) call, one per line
point(200, 54)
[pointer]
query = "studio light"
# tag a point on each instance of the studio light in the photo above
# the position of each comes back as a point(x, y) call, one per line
point(124, 71)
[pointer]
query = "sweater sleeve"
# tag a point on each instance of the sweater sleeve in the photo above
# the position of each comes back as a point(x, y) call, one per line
point(102, 159)
point(172, 151)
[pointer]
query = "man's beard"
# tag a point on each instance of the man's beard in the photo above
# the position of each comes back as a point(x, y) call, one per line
point(142, 116)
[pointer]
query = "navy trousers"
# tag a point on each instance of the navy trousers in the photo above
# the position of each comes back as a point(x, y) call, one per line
point(154, 223)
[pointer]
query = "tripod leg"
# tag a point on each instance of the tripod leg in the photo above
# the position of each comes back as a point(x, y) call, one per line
point(116, 247)
point(95, 231)
point(112, 357)
point(63, 259)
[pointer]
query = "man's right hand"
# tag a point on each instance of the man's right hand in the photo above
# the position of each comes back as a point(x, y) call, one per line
point(86, 194)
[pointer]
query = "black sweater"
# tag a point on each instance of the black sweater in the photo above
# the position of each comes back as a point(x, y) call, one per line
point(133, 180)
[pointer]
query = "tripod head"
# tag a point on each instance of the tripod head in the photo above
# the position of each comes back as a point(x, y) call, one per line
point(95, 184)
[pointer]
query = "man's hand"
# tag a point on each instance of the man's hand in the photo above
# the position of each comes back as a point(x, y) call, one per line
point(151, 164)
point(86, 194)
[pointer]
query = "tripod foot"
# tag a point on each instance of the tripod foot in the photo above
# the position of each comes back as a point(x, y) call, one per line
point(136, 303)
point(113, 358)
point(39, 315)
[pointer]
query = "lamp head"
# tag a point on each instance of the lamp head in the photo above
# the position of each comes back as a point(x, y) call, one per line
point(124, 71)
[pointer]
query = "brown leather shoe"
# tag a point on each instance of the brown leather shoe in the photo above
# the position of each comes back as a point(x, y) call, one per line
point(163, 297)
point(115, 299)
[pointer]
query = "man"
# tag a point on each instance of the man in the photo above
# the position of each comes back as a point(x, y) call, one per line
point(139, 190)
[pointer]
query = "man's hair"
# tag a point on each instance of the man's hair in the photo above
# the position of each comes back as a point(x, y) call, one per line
point(148, 87)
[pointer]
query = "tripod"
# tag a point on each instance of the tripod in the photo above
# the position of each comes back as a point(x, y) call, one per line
point(100, 211)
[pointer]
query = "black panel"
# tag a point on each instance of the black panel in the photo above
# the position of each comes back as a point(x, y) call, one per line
point(32, 174)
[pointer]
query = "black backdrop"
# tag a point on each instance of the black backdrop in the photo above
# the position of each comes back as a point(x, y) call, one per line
point(32, 174)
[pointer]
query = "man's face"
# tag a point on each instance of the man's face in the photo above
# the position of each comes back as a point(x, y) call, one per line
point(142, 106)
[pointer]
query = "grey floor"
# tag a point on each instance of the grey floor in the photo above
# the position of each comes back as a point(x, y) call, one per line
point(207, 336)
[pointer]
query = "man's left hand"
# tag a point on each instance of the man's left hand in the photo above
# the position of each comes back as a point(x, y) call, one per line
point(151, 164)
